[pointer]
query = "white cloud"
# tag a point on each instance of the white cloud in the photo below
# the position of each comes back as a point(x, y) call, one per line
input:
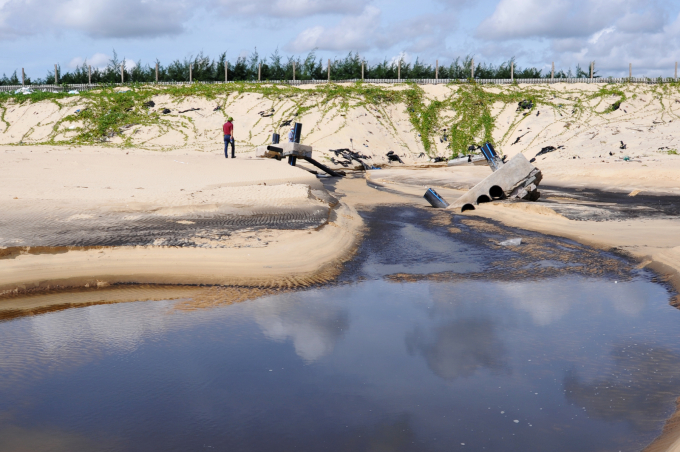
point(98, 19)
point(561, 18)
point(98, 60)
point(291, 8)
point(365, 32)
point(351, 33)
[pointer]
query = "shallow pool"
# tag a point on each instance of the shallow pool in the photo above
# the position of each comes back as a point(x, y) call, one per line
point(434, 338)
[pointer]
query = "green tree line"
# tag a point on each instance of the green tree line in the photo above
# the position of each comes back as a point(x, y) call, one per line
point(278, 67)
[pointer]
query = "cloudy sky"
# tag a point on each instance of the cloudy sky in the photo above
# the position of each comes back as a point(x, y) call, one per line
point(36, 34)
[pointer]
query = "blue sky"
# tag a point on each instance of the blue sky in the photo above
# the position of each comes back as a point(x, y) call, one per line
point(36, 34)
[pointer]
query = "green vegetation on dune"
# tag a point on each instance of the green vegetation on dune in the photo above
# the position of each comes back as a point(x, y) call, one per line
point(464, 117)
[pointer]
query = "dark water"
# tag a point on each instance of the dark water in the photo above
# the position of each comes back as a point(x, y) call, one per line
point(435, 339)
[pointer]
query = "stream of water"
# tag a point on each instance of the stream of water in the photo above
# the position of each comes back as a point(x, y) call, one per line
point(434, 339)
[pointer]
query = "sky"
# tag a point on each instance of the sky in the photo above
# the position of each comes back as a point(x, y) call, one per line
point(36, 34)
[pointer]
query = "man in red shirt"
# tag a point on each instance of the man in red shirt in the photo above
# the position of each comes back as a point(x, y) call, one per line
point(228, 129)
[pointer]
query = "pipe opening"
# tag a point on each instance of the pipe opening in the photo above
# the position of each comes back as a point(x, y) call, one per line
point(496, 192)
point(483, 199)
point(467, 207)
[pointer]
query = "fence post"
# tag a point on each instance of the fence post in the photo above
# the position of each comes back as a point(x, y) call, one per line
point(122, 72)
point(362, 70)
point(56, 78)
point(592, 69)
point(156, 72)
point(226, 71)
point(630, 72)
point(329, 69)
point(89, 74)
point(512, 71)
point(552, 72)
point(259, 71)
point(436, 70)
point(23, 77)
point(399, 70)
point(293, 70)
point(191, 72)
point(472, 69)
point(676, 71)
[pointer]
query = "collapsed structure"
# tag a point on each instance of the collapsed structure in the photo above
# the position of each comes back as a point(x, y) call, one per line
point(293, 150)
point(514, 179)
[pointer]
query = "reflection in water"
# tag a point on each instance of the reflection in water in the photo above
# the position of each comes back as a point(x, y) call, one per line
point(498, 351)
point(459, 347)
point(313, 328)
point(17, 439)
point(639, 387)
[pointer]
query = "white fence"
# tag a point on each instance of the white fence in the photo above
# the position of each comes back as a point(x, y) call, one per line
point(599, 80)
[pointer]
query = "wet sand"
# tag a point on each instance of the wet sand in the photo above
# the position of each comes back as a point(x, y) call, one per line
point(95, 218)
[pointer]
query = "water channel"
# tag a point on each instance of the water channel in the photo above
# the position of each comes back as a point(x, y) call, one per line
point(434, 338)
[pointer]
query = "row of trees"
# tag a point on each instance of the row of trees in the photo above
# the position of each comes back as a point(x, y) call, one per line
point(277, 67)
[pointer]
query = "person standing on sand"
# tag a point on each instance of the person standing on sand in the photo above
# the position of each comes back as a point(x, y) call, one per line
point(228, 129)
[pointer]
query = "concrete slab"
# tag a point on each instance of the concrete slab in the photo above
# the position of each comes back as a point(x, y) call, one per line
point(295, 149)
point(516, 178)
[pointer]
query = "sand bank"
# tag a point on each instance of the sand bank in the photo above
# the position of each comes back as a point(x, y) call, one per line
point(59, 208)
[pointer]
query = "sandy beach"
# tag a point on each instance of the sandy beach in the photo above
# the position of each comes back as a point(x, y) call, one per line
point(166, 208)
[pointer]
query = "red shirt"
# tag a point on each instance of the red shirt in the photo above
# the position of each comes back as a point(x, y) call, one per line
point(228, 128)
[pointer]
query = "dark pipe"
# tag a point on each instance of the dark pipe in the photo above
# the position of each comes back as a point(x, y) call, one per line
point(275, 138)
point(467, 207)
point(297, 133)
point(482, 199)
point(496, 192)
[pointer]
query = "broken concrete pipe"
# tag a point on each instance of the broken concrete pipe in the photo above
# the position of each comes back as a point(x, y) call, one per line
point(516, 179)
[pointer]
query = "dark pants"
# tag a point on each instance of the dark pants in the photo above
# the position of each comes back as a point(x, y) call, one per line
point(227, 140)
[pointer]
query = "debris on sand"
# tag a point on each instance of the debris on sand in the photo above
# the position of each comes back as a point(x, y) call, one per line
point(392, 157)
point(517, 179)
point(349, 155)
point(166, 111)
point(435, 200)
point(218, 108)
point(286, 123)
point(511, 242)
point(520, 137)
point(149, 104)
point(525, 105)
point(623, 145)
point(191, 109)
point(544, 151)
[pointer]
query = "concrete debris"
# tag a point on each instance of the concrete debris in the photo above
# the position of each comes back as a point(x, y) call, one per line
point(468, 160)
point(516, 179)
point(511, 242)
point(293, 150)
